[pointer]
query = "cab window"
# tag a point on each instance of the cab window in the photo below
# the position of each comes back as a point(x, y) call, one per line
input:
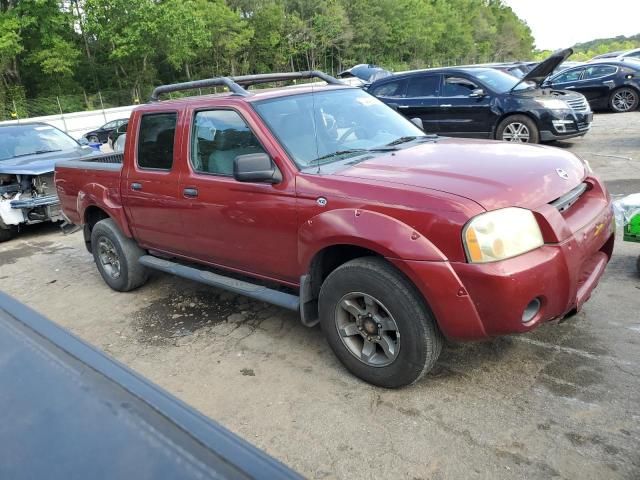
point(568, 76)
point(457, 87)
point(155, 140)
point(423, 86)
point(218, 137)
point(390, 89)
point(598, 71)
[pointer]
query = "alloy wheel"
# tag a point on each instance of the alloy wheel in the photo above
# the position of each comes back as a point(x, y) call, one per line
point(516, 132)
point(367, 329)
point(108, 256)
point(624, 100)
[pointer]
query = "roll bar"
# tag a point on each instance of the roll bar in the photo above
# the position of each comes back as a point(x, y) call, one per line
point(237, 84)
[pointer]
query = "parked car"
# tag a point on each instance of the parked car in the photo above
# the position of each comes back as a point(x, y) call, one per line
point(567, 64)
point(482, 102)
point(607, 84)
point(634, 53)
point(368, 73)
point(101, 135)
point(115, 134)
point(71, 412)
point(323, 200)
point(28, 153)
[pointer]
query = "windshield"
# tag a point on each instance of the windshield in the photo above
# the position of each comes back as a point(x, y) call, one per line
point(23, 140)
point(327, 126)
point(501, 82)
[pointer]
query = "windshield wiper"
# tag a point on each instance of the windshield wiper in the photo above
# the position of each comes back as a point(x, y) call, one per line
point(339, 153)
point(411, 138)
point(37, 152)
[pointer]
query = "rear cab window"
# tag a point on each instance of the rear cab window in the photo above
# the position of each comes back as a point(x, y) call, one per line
point(156, 141)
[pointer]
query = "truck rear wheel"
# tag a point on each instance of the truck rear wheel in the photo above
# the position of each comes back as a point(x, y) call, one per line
point(378, 324)
point(8, 233)
point(116, 257)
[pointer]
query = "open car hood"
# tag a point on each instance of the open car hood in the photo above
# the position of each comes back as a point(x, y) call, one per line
point(366, 72)
point(545, 68)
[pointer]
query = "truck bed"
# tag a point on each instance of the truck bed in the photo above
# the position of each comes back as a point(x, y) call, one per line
point(97, 176)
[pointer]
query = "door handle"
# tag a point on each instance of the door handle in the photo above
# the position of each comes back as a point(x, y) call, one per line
point(569, 87)
point(446, 105)
point(136, 186)
point(190, 192)
point(403, 106)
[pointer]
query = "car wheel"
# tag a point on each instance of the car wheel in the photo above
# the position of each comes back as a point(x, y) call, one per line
point(623, 100)
point(8, 233)
point(93, 139)
point(519, 129)
point(116, 257)
point(378, 324)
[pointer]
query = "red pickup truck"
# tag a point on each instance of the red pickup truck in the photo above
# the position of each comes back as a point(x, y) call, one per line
point(321, 199)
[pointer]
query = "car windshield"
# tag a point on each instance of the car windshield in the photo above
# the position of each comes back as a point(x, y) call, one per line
point(34, 139)
point(501, 82)
point(331, 125)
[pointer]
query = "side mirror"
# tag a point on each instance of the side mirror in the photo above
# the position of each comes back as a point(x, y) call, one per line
point(477, 93)
point(255, 167)
point(418, 123)
point(83, 141)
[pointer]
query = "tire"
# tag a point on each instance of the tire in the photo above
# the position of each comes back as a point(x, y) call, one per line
point(7, 233)
point(116, 257)
point(518, 128)
point(624, 99)
point(416, 342)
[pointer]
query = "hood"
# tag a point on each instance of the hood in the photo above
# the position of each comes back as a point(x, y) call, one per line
point(43, 163)
point(366, 72)
point(546, 67)
point(492, 174)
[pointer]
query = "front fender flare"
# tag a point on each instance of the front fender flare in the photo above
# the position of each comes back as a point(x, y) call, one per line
point(375, 231)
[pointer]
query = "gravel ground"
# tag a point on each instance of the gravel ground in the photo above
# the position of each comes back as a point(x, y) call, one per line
point(560, 402)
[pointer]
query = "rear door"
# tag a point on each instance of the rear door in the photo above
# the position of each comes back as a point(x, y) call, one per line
point(597, 82)
point(150, 187)
point(461, 114)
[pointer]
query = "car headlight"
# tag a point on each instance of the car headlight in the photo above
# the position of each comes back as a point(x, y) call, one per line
point(501, 234)
point(553, 103)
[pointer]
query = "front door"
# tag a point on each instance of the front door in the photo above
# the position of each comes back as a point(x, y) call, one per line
point(461, 113)
point(150, 187)
point(250, 227)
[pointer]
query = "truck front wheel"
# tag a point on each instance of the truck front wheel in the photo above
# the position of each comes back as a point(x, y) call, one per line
point(116, 257)
point(377, 323)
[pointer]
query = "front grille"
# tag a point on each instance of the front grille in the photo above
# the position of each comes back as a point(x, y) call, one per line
point(568, 199)
point(578, 104)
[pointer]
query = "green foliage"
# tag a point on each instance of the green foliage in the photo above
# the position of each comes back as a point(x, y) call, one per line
point(587, 50)
point(57, 48)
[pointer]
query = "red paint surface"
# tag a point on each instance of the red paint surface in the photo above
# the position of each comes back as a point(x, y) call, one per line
point(409, 206)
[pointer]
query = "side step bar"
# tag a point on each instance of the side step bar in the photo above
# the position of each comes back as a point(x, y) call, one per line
point(259, 292)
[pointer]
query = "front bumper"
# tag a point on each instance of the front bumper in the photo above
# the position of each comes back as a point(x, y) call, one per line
point(476, 301)
point(29, 203)
point(566, 124)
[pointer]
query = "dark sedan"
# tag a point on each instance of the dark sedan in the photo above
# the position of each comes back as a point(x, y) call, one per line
point(607, 84)
point(483, 102)
point(101, 135)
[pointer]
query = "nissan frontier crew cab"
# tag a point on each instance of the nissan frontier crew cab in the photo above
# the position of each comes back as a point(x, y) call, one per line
point(321, 199)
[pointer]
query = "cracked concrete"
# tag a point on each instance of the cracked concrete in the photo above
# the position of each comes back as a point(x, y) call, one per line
point(561, 402)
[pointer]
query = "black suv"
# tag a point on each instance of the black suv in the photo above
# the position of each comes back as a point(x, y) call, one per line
point(483, 102)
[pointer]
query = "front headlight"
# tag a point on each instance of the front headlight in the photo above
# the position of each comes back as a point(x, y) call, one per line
point(553, 103)
point(501, 234)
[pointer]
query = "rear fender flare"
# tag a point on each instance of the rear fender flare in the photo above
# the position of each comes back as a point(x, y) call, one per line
point(94, 194)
